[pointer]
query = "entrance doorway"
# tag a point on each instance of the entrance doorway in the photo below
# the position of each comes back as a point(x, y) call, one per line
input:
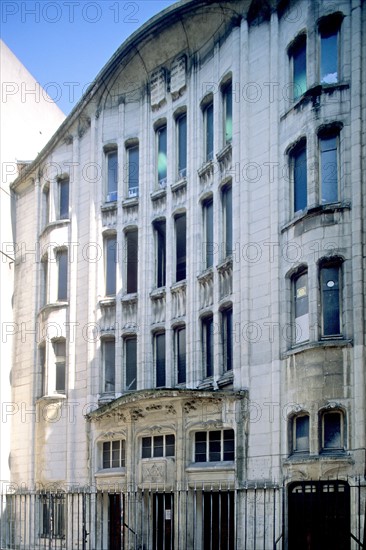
point(319, 515)
point(163, 524)
point(115, 522)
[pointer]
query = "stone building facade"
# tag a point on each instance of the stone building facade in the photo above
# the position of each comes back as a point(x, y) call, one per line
point(190, 291)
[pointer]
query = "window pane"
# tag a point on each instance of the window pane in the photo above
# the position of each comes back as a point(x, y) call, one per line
point(330, 300)
point(180, 230)
point(301, 328)
point(44, 289)
point(112, 176)
point(332, 431)
point(228, 339)
point(109, 365)
point(299, 68)
point(302, 433)
point(229, 445)
point(42, 366)
point(63, 189)
point(62, 275)
point(146, 447)
point(329, 169)
point(131, 363)
point(162, 156)
point(169, 445)
point(132, 260)
point(116, 454)
point(200, 447)
point(208, 345)
point(111, 261)
point(158, 446)
point(160, 359)
point(329, 58)
point(228, 98)
point(214, 446)
point(182, 146)
point(181, 355)
point(209, 132)
point(106, 455)
point(59, 348)
point(300, 180)
point(133, 172)
point(227, 198)
point(209, 244)
point(160, 232)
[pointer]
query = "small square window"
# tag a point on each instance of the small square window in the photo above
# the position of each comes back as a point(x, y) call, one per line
point(158, 446)
point(214, 446)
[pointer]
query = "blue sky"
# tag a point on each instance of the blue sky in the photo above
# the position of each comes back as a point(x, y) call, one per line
point(65, 43)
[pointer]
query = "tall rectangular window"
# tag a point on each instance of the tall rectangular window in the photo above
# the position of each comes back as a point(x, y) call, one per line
point(162, 156)
point(331, 306)
point(44, 281)
point(42, 366)
point(59, 349)
point(132, 260)
point(329, 55)
point(114, 454)
point(299, 169)
point(227, 211)
point(131, 363)
point(52, 516)
point(46, 204)
point(181, 247)
point(110, 248)
point(298, 55)
point(180, 353)
point(62, 275)
point(160, 360)
point(228, 113)
point(301, 308)
point(63, 199)
point(160, 255)
point(182, 145)
point(329, 169)
point(209, 132)
point(300, 436)
point(208, 345)
point(112, 176)
point(227, 338)
point(208, 233)
point(108, 351)
point(133, 168)
point(332, 431)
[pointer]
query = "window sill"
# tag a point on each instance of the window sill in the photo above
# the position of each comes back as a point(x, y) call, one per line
point(179, 184)
point(158, 293)
point(214, 466)
point(224, 153)
point(129, 203)
point(108, 301)
point(52, 397)
point(108, 206)
point(176, 287)
point(226, 265)
point(158, 194)
point(206, 169)
point(108, 472)
point(313, 94)
point(53, 225)
point(302, 458)
point(206, 275)
point(53, 305)
point(129, 298)
point(331, 343)
point(226, 379)
point(206, 384)
point(316, 211)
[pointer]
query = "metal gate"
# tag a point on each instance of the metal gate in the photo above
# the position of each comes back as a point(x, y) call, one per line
point(202, 517)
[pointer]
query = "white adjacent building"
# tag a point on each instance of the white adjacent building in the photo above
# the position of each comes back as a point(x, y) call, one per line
point(189, 365)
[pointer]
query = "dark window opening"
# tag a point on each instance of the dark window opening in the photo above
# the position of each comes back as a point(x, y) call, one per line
point(108, 349)
point(162, 156)
point(110, 265)
point(133, 171)
point(227, 338)
point(63, 190)
point(181, 360)
point(208, 345)
point(62, 275)
point(329, 169)
point(182, 145)
point(160, 234)
point(300, 179)
point(132, 260)
point(181, 247)
point(330, 293)
point(160, 360)
point(112, 180)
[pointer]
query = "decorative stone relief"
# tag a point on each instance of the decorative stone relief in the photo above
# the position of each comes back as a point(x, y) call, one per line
point(178, 76)
point(158, 87)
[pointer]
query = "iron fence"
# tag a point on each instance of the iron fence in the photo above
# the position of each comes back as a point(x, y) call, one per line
point(202, 517)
